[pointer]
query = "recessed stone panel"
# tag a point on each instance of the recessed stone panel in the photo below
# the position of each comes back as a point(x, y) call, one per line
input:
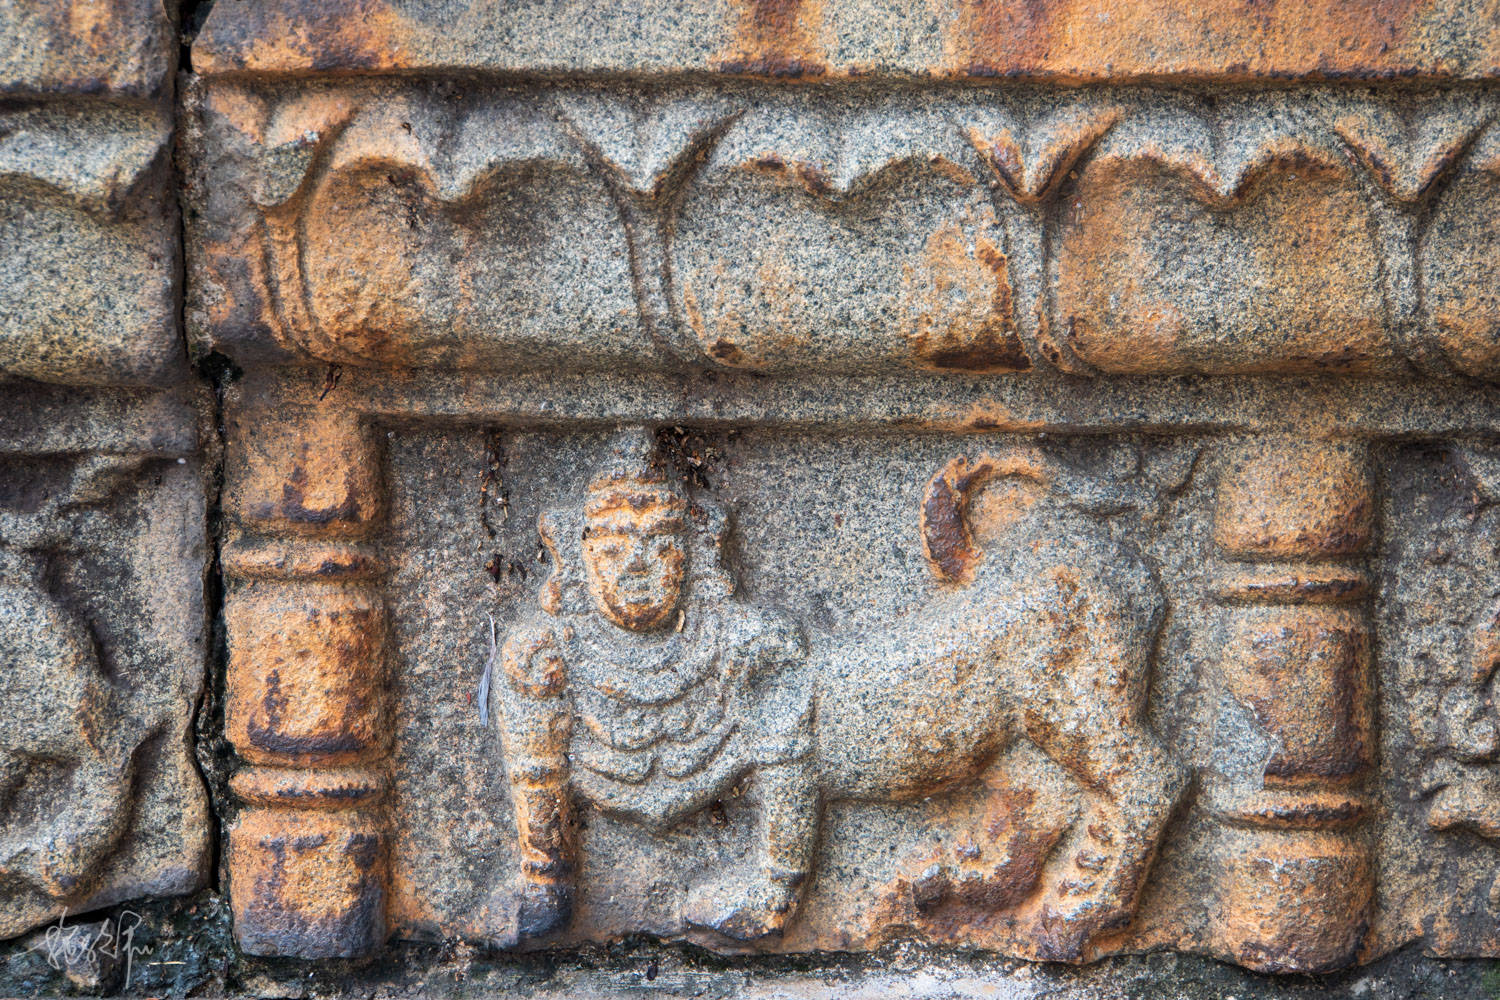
point(768, 676)
point(103, 549)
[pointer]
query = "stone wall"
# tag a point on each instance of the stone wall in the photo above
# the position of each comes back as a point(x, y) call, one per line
point(861, 496)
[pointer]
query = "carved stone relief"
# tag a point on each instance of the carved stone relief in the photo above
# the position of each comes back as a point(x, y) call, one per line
point(880, 508)
point(742, 227)
point(784, 476)
point(1059, 695)
point(636, 705)
point(103, 478)
point(657, 730)
point(101, 586)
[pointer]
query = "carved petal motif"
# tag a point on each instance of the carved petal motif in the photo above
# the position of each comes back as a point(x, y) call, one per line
point(848, 242)
point(88, 294)
point(1459, 262)
point(1406, 143)
point(1222, 241)
point(484, 238)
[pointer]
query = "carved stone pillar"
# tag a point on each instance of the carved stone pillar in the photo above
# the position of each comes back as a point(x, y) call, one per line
point(308, 854)
point(1293, 713)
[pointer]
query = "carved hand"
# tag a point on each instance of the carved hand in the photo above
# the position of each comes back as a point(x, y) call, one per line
point(533, 663)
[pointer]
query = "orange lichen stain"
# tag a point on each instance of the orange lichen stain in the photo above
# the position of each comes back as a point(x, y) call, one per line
point(302, 674)
point(305, 119)
point(93, 20)
point(947, 541)
point(779, 38)
point(1319, 248)
point(985, 415)
point(226, 298)
point(961, 313)
point(308, 471)
point(993, 868)
point(1003, 154)
point(240, 106)
point(1062, 40)
point(994, 842)
point(812, 177)
point(292, 870)
point(1302, 585)
point(1469, 333)
point(1460, 260)
point(995, 509)
point(88, 45)
point(988, 36)
point(304, 788)
point(955, 172)
point(407, 905)
point(1292, 904)
point(1079, 40)
point(1303, 673)
point(365, 235)
point(691, 310)
point(366, 35)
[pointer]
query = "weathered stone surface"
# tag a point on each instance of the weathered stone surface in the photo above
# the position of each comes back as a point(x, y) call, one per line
point(747, 227)
point(800, 518)
point(97, 47)
point(1457, 259)
point(784, 477)
point(911, 685)
point(102, 557)
point(103, 478)
point(1062, 40)
point(89, 256)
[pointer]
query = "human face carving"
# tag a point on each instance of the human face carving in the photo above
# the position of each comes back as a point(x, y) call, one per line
point(635, 562)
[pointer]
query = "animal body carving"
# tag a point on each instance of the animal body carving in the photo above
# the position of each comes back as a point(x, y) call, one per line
point(1046, 637)
point(66, 760)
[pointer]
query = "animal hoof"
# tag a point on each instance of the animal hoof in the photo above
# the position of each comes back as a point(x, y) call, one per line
point(1064, 935)
point(741, 911)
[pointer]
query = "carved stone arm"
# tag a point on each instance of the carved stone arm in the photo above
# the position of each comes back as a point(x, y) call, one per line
point(533, 663)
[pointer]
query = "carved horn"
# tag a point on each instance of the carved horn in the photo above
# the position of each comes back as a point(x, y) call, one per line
point(947, 541)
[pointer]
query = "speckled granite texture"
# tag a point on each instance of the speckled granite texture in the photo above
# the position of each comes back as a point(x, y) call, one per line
point(750, 498)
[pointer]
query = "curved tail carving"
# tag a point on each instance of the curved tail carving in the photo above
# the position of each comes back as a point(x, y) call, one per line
point(947, 541)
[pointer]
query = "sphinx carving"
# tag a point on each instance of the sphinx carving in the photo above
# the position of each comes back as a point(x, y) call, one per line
point(647, 687)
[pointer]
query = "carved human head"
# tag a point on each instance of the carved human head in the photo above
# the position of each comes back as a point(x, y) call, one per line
point(635, 539)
